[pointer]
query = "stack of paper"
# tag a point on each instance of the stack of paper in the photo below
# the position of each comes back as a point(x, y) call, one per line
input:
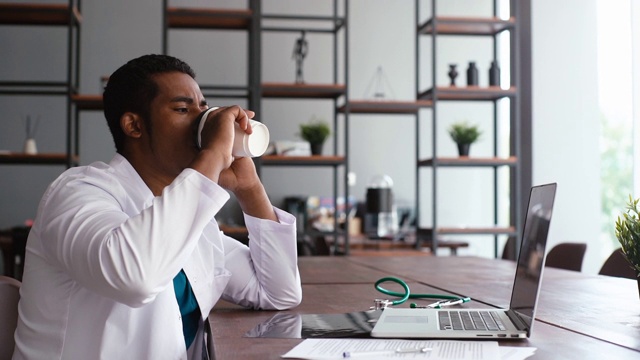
point(373, 349)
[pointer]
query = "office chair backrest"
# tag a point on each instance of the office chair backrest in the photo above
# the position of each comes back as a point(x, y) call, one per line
point(509, 252)
point(567, 256)
point(9, 296)
point(617, 265)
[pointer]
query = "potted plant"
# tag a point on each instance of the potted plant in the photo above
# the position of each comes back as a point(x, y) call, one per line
point(464, 135)
point(315, 132)
point(628, 234)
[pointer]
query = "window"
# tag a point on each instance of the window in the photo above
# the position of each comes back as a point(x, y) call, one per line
point(619, 102)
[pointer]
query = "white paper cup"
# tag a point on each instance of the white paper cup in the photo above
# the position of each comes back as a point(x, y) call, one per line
point(244, 145)
point(251, 145)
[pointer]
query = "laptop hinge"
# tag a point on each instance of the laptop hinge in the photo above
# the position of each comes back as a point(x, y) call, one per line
point(517, 320)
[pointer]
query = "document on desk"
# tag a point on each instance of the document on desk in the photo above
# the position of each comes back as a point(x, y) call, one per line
point(373, 349)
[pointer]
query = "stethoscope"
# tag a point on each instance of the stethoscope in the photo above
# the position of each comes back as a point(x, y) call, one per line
point(443, 300)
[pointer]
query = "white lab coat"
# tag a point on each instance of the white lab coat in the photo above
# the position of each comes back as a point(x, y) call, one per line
point(103, 251)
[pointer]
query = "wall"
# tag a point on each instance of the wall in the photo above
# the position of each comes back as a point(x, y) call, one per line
point(566, 121)
point(381, 34)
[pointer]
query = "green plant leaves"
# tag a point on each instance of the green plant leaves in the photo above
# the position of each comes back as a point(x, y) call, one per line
point(628, 233)
point(315, 132)
point(463, 133)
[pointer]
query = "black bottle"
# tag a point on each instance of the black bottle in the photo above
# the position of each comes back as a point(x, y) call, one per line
point(494, 74)
point(472, 74)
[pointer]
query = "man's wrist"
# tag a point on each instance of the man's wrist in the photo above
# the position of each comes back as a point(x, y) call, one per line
point(209, 163)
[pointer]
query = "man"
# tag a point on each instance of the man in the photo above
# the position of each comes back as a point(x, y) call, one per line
point(125, 260)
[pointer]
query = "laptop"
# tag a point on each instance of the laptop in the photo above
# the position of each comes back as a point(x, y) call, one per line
point(466, 323)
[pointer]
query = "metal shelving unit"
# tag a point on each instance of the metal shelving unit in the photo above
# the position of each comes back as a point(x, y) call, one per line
point(333, 25)
point(253, 21)
point(436, 27)
point(46, 15)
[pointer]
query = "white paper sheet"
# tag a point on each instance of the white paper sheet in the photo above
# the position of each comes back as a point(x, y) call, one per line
point(516, 353)
point(373, 349)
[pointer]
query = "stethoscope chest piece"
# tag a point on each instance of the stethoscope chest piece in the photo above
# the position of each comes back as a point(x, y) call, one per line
point(381, 304)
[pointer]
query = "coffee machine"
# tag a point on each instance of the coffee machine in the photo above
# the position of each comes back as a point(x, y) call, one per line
point(381, 217)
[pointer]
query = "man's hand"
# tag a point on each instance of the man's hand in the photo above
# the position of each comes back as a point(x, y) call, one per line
point(217, 140)
point(236, 175)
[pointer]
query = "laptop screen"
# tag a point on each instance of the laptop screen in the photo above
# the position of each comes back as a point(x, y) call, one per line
point(532, 252)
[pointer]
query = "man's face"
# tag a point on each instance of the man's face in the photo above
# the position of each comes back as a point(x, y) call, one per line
point(172, 116)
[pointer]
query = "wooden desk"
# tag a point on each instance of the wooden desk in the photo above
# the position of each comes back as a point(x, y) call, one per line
point(603, 307)
point(570, 304)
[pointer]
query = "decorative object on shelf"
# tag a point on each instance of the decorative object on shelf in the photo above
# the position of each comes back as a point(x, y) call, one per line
point(628, 234)
point(472, 74)
point(30, 147)
point(379, 83)
point(104, 79)
point(453, 73)
point(292, 148)
point(381, 217)
point(300, 51)
point(464, 135)
point(315, 132)
point(494, 74)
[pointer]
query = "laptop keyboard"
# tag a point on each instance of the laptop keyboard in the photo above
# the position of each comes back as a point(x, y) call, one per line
point(470, 320)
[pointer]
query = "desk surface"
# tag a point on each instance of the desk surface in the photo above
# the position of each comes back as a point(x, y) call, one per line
point(579, 316)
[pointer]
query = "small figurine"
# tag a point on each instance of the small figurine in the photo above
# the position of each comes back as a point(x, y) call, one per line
point(453, 73)
point(299, 53)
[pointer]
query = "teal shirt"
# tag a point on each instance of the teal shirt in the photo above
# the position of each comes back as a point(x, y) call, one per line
point(189, 309)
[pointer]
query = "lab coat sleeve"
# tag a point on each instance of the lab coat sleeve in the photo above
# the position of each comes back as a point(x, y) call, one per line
point(265, 275)
point(127, 257)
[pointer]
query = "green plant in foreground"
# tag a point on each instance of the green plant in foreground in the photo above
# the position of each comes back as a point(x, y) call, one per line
point(463, 133)
point(628, 233)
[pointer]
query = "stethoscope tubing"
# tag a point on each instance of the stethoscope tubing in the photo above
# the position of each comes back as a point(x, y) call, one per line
point(403, 297)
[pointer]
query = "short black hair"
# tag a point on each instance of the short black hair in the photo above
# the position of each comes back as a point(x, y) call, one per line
point(131, 88)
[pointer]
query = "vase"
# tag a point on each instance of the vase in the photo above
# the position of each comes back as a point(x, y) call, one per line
point(30, 147)
point(472, 74)
point(316, 148)
point(453, 73)
point(463, 149)
point(494, 74)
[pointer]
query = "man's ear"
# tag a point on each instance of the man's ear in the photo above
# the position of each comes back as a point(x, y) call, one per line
point(131, 124)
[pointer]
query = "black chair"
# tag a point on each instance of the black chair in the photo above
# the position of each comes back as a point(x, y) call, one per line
point(567, 256)
point(618, 265)
point(509, 250)
point(9, 297)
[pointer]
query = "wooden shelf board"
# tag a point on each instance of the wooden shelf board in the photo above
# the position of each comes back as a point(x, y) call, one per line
point(476, 230)
point(207, 18)
point(469, 161)
point(446, 25)
point(37, 14)
point(88, 102)
point(313, 160)
point(385, 106)
point(467, 93)
point(425, 233)
point(292, 90)
point(44, 158)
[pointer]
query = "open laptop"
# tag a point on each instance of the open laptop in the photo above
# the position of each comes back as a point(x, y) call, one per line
point(513, 323)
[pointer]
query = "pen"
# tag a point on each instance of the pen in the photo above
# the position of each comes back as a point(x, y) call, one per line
point(350, 354)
